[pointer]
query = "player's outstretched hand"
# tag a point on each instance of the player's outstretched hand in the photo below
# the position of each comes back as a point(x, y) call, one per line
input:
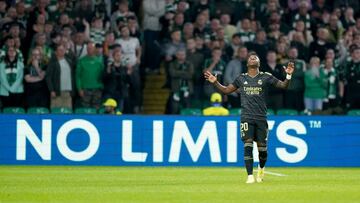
point(290, 68)
point(210, 77)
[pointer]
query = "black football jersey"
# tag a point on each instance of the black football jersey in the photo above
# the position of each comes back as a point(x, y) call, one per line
point(253, 94)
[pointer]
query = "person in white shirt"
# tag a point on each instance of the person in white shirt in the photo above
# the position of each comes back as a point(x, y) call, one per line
point(131, 50)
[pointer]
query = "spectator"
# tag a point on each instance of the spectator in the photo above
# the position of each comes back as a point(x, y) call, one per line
point(60, 78)
point(315, 86)
point(245, 9)
point(233, 69)
point(45, 50)
point(201, 47)
point(134, 28)
point(275, 96)
point(188, 31)
point(181, 73)
point(153, 10)
point(36, 91)
point(298, 41)
point(352, 78)
point(122, 11)
point(348, 19)
point(83, 10)
point(109, 45)
point(10, 42)
point(331, 97)
point(303, 14)
point(2, 9)
point(281, 56)
point(110, 107)
point(260, 45)
point(245, 32)
point(97, 32)
point(334, 29)
point(214, 26)
point(318, 48)
point(11, 80)
point(295, 93)
point(61, 8)
point(229, 29)
point(167, 22)
point(196, 58)
point(300, 28)
point(294, 4)
point(216, 65)
point(202, 5)
point(231, 50)
point(132, 55)
point(179, 21)
point(183, 7)
point(117, 81)
point(89, 73)
point(80, 47)
point(170, 49)
point(201, 26)
point(216, 109)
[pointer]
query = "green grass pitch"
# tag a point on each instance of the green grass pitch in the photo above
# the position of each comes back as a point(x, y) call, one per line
point(175, 184)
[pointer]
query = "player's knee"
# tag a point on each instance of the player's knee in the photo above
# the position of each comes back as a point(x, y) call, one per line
point(248, 150)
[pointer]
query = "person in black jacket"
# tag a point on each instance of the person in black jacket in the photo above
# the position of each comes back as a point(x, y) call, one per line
point(60, 78)
point(117, 81)
point(35, 85)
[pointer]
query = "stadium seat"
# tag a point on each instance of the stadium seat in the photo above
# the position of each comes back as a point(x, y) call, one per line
point(270, 112)
point(191, 111)
point(85, 111)
point(235, 112)
point(287, 112)
point(14, 110)
point(38, 110)
point(354, 112)
point(61, 110)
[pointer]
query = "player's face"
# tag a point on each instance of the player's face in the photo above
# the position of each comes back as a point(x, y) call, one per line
point(253, 61)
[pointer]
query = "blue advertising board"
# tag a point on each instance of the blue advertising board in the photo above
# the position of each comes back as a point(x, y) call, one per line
point(173, 140)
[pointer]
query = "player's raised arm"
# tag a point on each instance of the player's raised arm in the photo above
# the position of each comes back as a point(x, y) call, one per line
point(223, 89)
point(289, 71)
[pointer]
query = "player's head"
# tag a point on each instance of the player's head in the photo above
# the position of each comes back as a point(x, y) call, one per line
point(253, 61)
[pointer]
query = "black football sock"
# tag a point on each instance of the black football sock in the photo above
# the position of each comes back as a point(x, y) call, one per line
point(248, 158)
point(262, 156)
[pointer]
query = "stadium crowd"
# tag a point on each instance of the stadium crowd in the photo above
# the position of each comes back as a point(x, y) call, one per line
point(70, 53)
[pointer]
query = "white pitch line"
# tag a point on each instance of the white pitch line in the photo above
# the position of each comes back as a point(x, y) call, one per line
point(273, 173)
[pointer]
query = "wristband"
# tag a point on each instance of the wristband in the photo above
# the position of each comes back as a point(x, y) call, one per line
point(288, 76)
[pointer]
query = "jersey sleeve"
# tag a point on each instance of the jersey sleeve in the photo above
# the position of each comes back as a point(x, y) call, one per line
point(237, 82)
point(271, 80)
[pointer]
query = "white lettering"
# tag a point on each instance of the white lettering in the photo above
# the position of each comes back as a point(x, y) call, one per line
point(127, 154)
point(285, 138)
point(158, 133)
point(89, 128)
point(25, 132)
point(232, 141)
point(181, 133)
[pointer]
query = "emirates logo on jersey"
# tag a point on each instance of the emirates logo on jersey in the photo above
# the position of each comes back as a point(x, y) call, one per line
point(260, 82)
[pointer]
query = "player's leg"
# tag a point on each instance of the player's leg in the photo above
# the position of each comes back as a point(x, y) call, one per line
point(247, 134)
point(261, 138)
